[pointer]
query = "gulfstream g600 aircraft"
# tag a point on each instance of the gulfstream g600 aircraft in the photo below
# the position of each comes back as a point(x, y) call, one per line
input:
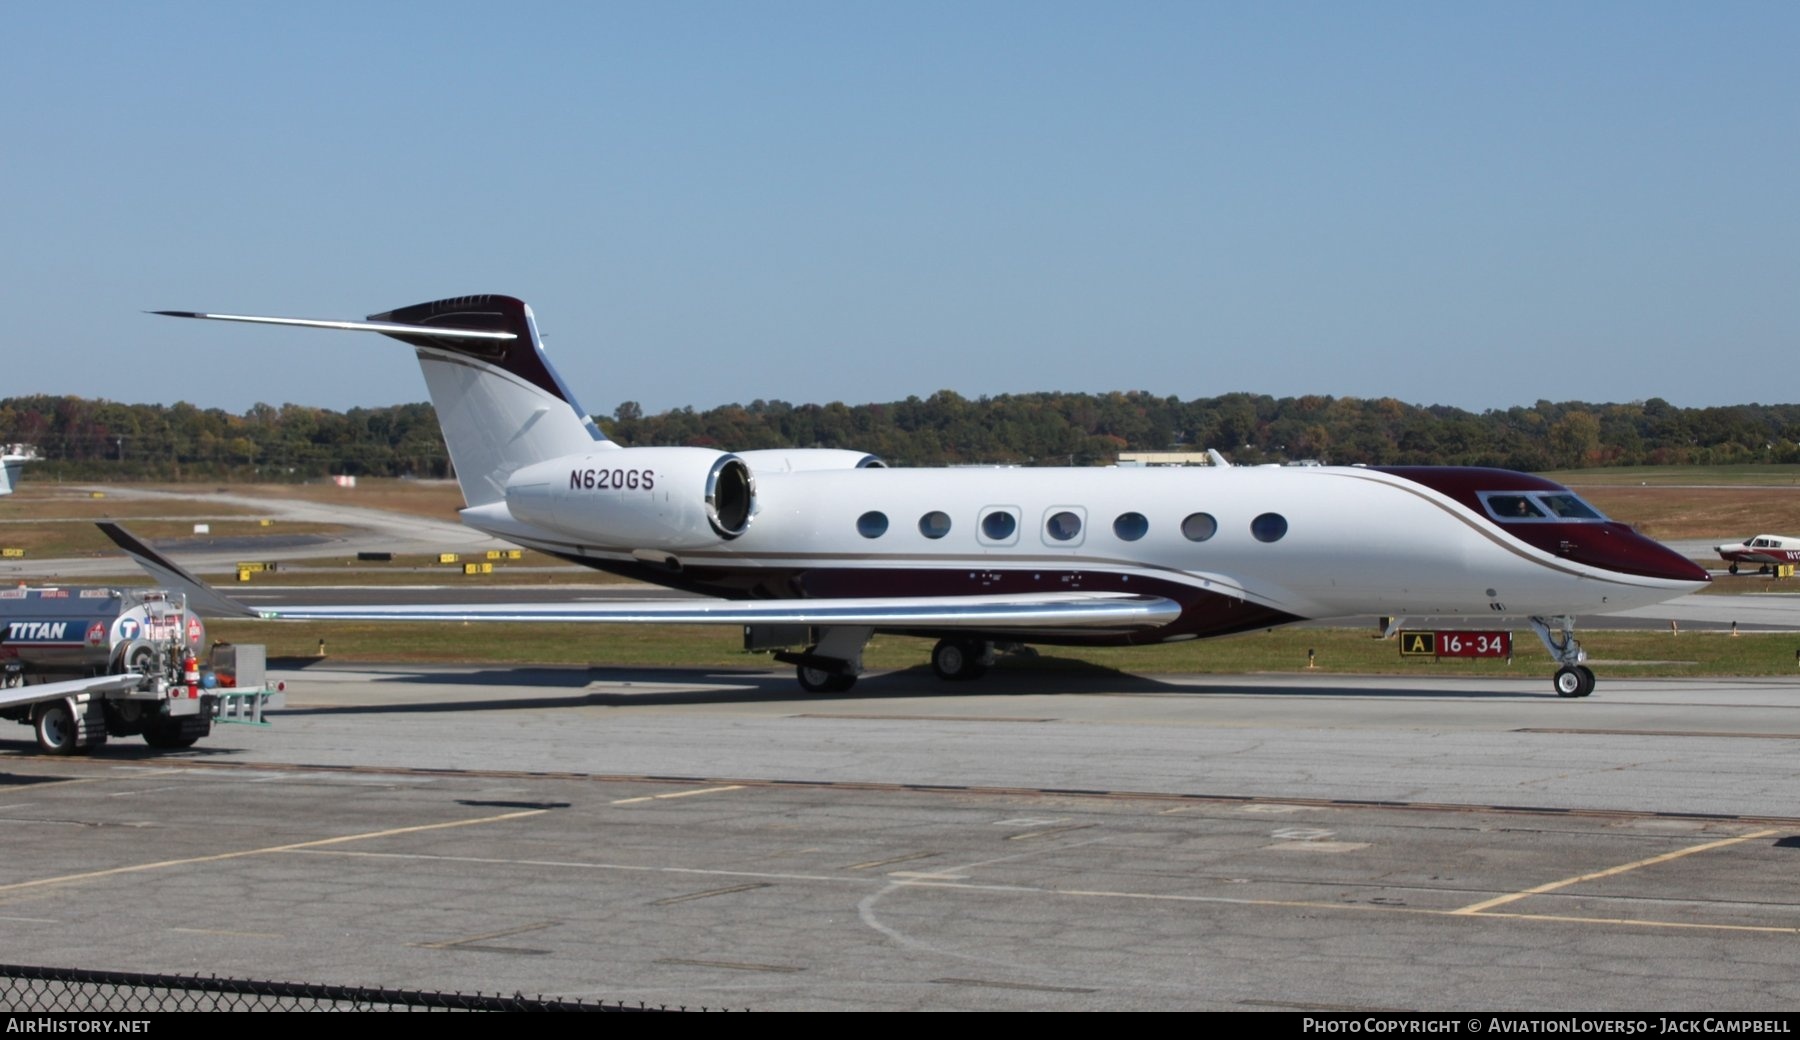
point(826, 547)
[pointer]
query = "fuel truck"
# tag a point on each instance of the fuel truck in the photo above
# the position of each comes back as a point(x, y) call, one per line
point(80, 665)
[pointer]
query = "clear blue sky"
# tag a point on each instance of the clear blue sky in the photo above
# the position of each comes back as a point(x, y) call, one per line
point(1477, 205)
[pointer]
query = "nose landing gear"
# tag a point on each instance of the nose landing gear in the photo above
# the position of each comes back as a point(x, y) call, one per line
point(1573, 678)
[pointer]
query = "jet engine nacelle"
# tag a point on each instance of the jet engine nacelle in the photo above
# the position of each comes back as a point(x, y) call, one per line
point(638, 498)
point(798, 460)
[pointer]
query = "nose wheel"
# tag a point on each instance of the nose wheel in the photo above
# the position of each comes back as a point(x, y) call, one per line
point(1574, 681)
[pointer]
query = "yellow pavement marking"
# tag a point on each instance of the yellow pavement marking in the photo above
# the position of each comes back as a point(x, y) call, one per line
point(1476, 908)
point(241, 853)
point(923, 881)
point(1049, 832)
point(471, 940)
point(1643, 922)
point(908, 858)
point(690, 896)
point(677, 794)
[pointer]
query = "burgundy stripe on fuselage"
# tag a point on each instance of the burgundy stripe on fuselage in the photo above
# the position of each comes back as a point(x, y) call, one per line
point(1606, 544)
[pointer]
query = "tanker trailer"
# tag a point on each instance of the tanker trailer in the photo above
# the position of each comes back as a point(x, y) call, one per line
point(83, 664)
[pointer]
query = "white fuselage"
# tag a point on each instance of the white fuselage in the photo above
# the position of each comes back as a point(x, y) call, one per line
point(1356, 541)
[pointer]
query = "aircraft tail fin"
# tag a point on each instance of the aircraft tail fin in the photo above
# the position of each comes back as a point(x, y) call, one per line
point(499, 403)
point(202, 598)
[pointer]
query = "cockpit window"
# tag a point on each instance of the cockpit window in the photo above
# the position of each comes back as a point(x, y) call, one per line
point(1538, 506)
point(1513, 507)
point(1569, 507)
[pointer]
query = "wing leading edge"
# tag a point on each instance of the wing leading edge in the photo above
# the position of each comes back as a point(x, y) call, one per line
point(1042, 610)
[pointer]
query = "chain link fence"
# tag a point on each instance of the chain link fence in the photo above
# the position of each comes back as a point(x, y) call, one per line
point(25, 989)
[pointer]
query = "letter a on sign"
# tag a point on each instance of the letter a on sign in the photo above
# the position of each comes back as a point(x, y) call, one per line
point(1418, 644)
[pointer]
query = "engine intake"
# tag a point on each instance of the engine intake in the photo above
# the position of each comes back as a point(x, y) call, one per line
point(730, 492)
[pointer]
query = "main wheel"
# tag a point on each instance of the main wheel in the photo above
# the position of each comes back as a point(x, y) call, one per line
point(821, 680)
point(55, 726)
point(958, 660)
point(1587, 680)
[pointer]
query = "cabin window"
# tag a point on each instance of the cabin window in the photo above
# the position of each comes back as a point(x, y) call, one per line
point(872, 524)
point(999, 525)
point(1129, 527)
point(1063, 526)
point(1269, 527)
point(935, 524)
point(1198, 527)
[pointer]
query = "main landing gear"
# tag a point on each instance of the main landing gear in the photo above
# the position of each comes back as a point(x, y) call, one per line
point(832, 664)
point(1573, 678)
point(961, 660)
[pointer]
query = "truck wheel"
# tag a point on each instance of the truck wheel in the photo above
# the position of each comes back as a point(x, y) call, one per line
point(167, 735)
point(55, 726)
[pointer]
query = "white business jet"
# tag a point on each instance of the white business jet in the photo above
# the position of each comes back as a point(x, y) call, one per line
point(817, 549)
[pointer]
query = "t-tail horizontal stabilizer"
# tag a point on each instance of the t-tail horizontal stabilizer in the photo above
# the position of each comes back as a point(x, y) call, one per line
point(391, 328)
point(502, 407)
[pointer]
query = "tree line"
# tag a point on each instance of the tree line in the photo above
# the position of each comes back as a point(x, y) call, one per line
point(90, 439)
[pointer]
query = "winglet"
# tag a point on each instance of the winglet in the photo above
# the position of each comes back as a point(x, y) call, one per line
point(202, 598)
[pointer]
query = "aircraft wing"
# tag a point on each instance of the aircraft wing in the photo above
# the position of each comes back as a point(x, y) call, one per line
point(1086, 610)
point(1035, 611)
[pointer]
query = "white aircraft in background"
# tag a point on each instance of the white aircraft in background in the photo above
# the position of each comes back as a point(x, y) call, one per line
point(1765, 550)
point(820, 548)
point(13, 456)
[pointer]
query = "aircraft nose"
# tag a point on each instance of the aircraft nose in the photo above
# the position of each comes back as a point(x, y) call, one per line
point(1617, 547)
